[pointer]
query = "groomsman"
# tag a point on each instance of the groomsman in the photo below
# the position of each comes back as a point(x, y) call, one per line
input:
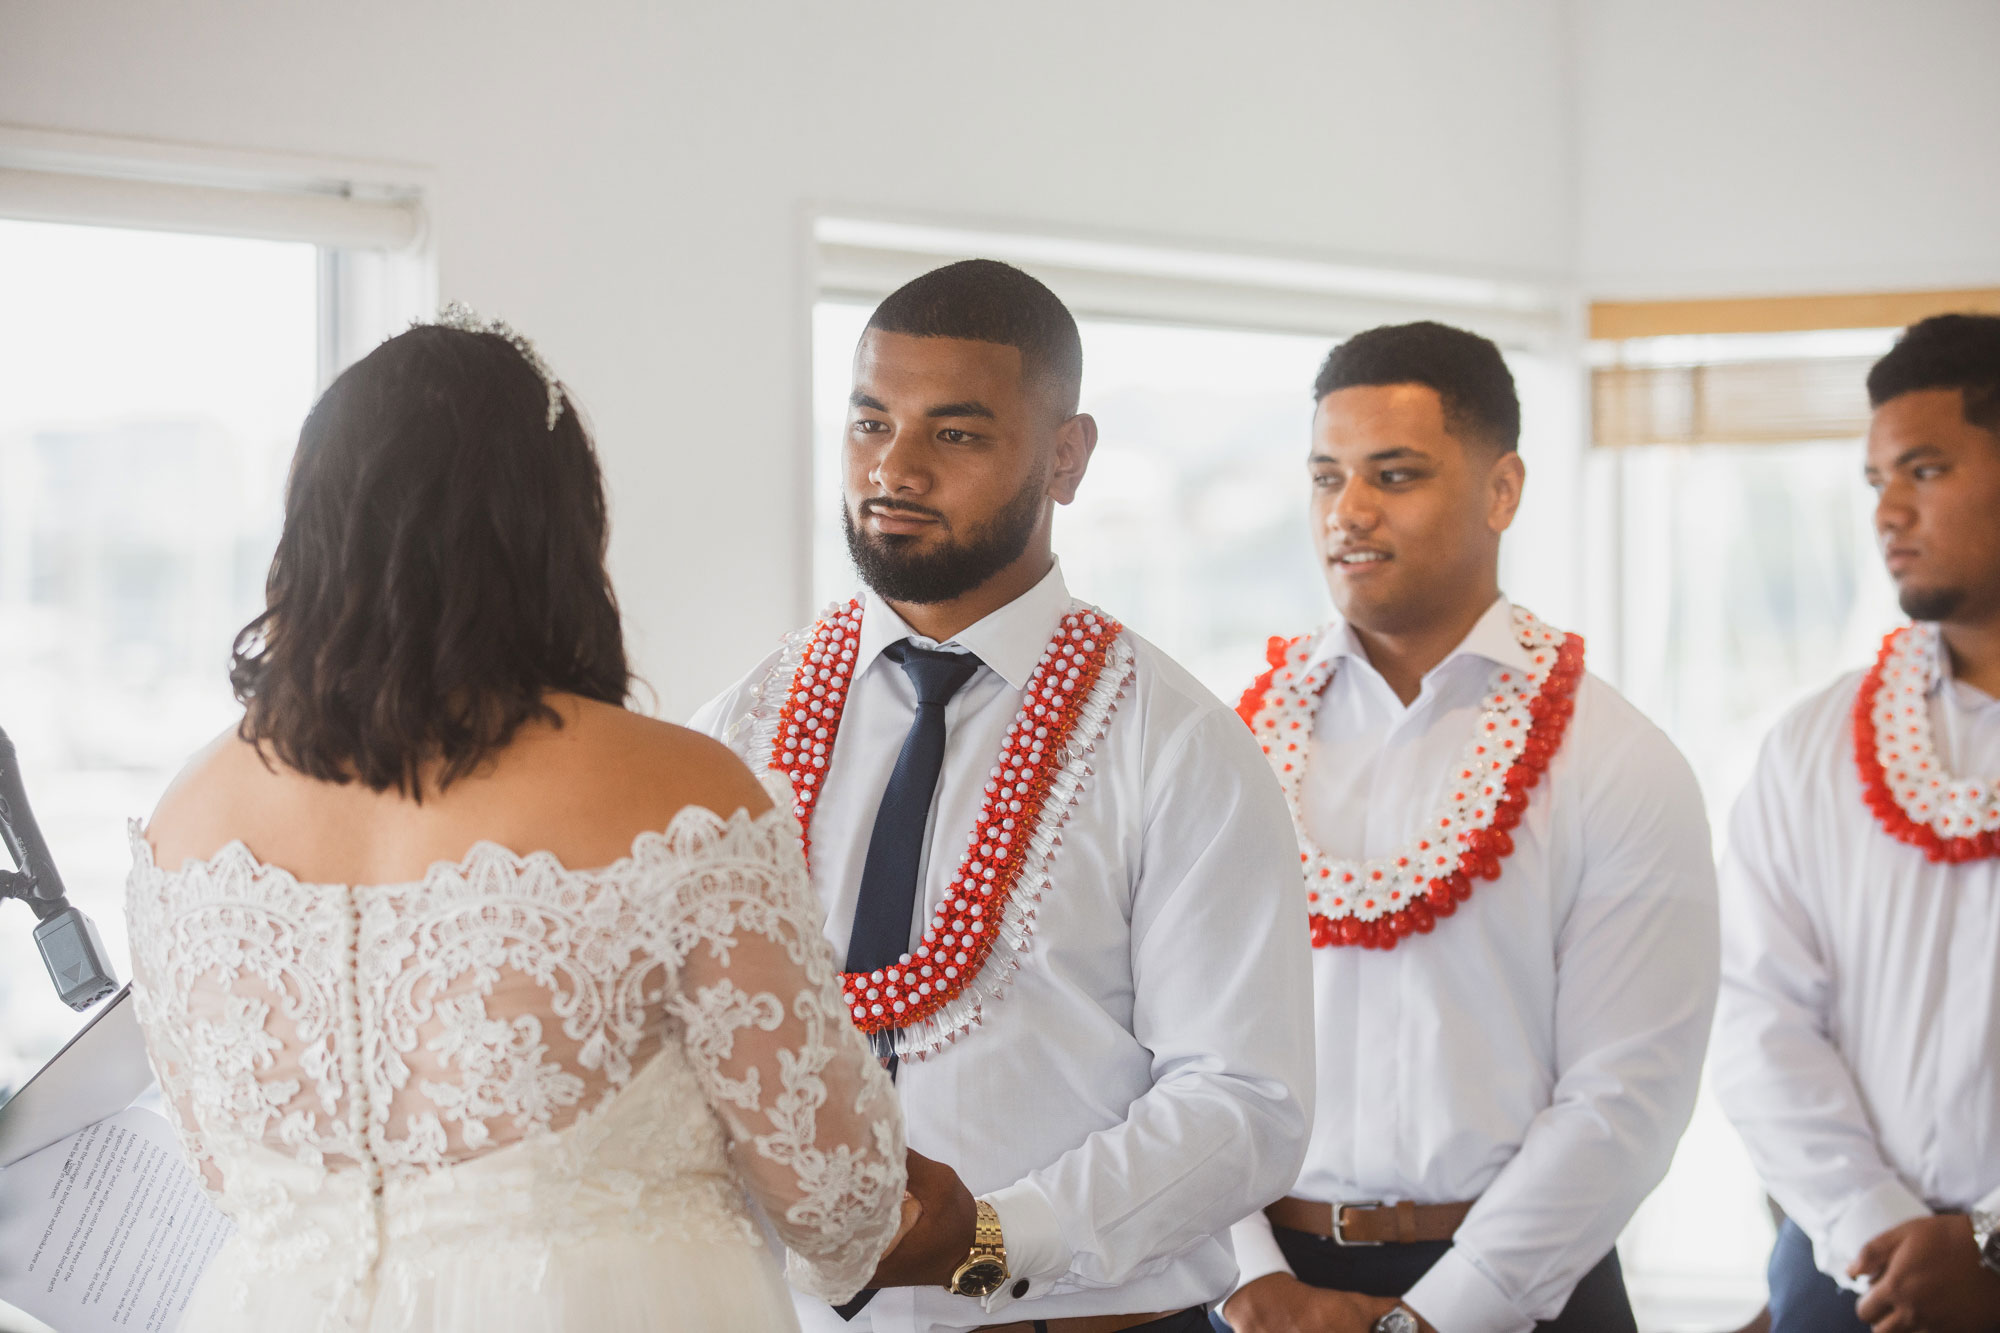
point(1857, 1044)
point(1511, 893)
point(1056, 866)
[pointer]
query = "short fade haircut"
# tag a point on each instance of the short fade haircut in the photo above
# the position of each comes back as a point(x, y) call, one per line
point(1945, 352)
point(984, 300)
point(1466, 371)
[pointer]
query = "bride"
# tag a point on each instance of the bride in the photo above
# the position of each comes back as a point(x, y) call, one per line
point(481, 1002)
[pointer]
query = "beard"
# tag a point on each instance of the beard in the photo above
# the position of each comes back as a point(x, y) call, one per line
point(898, 573)
point(1930, 603)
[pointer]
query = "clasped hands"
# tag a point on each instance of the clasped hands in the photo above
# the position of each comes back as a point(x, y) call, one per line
point(937, 1229)
point(1925, 1277)
point(1280, 1303)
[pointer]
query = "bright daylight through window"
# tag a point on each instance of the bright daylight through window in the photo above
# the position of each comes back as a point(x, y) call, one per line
point(1743, 568)
point(151, 389)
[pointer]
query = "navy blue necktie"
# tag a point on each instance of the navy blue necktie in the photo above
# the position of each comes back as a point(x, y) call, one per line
point(888, 899)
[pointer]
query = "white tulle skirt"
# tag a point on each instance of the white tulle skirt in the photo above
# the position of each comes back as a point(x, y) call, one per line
point(610, 1284)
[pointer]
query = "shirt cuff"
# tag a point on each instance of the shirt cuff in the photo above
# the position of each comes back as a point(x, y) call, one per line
point(1989, 1204)
point(1457, 1296)
point(1037, 1254)
point(1257, 1252)
point(1860, 1220)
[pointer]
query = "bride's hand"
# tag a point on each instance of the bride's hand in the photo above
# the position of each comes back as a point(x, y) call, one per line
point(913, 1213)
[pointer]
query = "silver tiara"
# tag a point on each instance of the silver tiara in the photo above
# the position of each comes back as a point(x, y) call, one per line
point(457, 315)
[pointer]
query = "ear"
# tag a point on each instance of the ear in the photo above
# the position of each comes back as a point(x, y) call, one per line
point(1076, 440)
point(1503, 490)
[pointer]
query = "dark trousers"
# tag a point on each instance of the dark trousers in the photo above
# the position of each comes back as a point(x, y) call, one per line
point(1194, 1319)
point(1598, 1305)
point(1803, 1299)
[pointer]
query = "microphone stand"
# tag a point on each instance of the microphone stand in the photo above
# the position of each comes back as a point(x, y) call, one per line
point(69, 943)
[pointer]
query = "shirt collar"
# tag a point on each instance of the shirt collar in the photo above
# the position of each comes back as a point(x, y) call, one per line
point(1940, 664)
point(1491, 638)
point(1945, 682)
point(1010, 640)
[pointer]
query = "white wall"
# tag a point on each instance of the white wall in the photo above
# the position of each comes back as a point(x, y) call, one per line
point(1787, 145)
point(627, 180)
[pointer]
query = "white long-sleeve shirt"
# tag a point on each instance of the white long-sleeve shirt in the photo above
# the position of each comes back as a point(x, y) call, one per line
point(1539, 1051)
point(1147, 1077)
point(1857, 1045)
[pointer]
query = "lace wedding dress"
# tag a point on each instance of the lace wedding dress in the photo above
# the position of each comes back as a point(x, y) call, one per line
point(514, 1097)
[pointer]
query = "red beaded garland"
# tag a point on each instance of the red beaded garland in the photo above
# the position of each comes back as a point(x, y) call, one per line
point(962, 931)
point(1483, 848)
point(1875, 788)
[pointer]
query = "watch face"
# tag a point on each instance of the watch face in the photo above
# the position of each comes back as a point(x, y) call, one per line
point(1986, 1230)
point(981, 1277)
point(1397, 1321)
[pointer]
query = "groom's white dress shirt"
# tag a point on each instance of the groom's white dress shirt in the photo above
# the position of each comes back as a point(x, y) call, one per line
point(1857, 1045)
point(1539, 1051)
point(1147, 1078)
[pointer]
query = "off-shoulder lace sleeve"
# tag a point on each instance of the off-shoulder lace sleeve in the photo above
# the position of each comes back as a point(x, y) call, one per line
point(816, 1131)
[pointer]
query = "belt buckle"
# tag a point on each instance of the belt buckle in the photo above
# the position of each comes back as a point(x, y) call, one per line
point(1340, 1229)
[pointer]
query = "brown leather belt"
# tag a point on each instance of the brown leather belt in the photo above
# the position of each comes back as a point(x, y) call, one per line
point(1089, 1323)
point(1370, 1223)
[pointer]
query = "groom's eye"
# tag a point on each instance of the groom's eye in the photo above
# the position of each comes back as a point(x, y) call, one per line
point(870, 426)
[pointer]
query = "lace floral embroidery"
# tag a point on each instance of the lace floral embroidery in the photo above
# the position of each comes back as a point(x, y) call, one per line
point(574, 1048)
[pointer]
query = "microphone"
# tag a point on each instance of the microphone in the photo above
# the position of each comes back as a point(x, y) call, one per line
point(69, 943)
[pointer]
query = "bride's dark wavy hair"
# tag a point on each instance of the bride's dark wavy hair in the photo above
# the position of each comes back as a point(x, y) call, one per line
point(441, 570)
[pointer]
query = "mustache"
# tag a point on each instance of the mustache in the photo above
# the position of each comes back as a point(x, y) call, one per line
point(883, 506)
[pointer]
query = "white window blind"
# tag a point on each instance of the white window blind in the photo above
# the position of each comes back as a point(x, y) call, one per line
point(86, 180)
point(270, 215)
point(863, 260)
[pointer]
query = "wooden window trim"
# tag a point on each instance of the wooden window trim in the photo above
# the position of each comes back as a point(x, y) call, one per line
point(1783, 314)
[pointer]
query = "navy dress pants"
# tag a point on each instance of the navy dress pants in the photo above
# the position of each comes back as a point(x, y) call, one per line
point(1598, 1305)
point(1803, 1299)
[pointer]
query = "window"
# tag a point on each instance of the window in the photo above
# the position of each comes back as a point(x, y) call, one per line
point(170, 316)
point(1741, 568)
point(155, 388)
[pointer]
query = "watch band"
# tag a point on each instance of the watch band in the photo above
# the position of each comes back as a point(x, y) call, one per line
point(986, 1237)
point(988, 1253)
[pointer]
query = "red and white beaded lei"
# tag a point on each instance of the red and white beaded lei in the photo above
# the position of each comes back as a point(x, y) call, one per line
point(1913, 795)
point(980, 932)
point(1378, 903)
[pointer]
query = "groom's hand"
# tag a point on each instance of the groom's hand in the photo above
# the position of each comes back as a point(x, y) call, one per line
point(1280, 1303)
point(942, 1237)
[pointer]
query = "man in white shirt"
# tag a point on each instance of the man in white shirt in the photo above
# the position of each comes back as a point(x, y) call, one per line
point(1512, 892)
point(1056, 866)
point(1857, 1044)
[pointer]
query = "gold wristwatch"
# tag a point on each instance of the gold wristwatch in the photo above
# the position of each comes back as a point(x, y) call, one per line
point(985, 1268)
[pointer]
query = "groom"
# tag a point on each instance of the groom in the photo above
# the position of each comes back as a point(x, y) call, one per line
point(1057, 867)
